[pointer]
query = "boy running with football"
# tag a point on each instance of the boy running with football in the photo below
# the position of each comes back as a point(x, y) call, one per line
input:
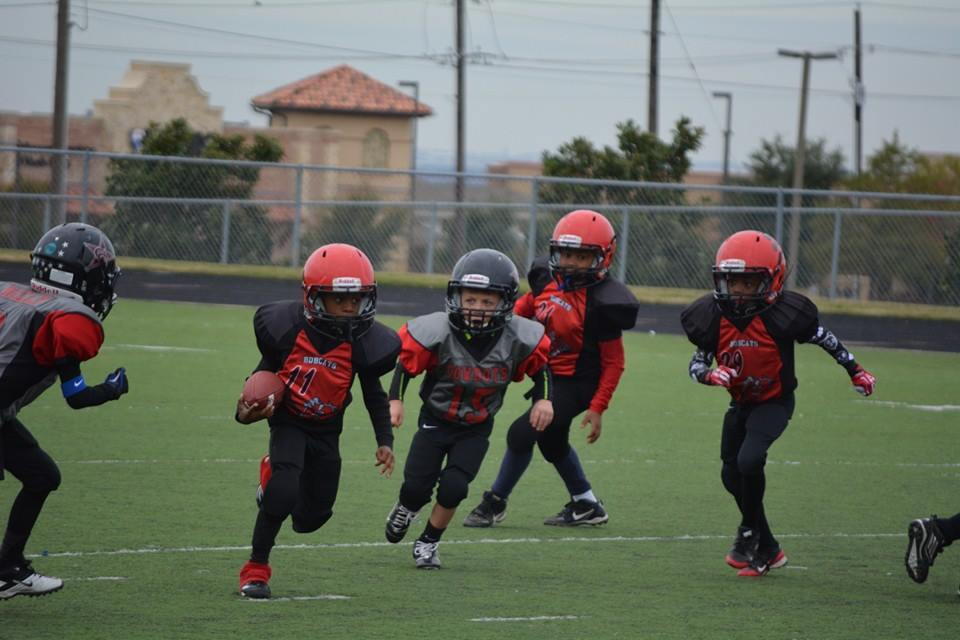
point(750, 324)
point(470, 353)
point(316, 346)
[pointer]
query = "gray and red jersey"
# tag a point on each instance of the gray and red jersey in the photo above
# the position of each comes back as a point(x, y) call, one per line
point(39, 333)
point(462, 389)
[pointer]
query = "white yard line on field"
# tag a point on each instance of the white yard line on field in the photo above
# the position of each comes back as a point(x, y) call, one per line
point(936, 408)
point(527, 619)
point(329, 596)
point(159, 347)
point(96, 579)
point(482, 541)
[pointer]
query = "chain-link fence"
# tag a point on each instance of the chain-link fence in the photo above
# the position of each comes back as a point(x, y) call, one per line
point(863, 246)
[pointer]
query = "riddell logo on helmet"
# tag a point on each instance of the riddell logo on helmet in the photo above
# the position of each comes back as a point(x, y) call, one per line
point(569, 240)
point(346, 284)
point(732, 264)
point(477, 279)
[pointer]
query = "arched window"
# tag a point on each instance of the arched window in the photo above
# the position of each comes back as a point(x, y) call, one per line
point(376, 149)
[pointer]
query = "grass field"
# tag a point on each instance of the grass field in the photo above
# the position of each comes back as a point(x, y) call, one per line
point(155, 513)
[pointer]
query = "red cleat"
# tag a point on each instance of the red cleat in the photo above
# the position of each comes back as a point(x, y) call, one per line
point(763, 563)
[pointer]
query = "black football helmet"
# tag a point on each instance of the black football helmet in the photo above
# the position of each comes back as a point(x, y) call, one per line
point(488, 270)
point(77, 260)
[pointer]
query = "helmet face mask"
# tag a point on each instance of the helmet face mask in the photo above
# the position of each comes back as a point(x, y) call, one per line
point(77, 261)
point(748, 274)
point(582, 230)
point(479, 272)
point(339, 269)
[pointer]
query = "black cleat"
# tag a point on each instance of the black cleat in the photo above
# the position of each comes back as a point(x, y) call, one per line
point(398, 521)
point(491, 510)
point(425, 555)
point(744, 549)
point(926, 541)
point(579, 512)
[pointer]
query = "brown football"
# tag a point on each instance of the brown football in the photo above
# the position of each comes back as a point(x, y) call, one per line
point(263, 388)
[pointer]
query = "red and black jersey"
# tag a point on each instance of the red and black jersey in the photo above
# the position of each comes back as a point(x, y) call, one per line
point(319, 370)
point(760, 348)
point(585, 327)
point(40, 334)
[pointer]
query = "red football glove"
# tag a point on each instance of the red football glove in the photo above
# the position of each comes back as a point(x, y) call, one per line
point(863, 381)
point(721, 376)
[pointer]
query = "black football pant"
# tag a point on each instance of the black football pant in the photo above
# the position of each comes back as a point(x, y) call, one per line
point(748, 432)
point(571, 397)
point(462, 446)
point(36, 470)
point(950, 528)
point(305, 476)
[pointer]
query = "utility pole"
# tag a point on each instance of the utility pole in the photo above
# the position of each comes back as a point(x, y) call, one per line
point(653, 91)
point(799, 157)
point(58, 164)
point(459, 240)
point(726, 95)
point(857, 95)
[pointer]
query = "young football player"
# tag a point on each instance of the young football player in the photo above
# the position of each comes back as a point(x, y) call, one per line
point(46, 330)
point(317, 346)
point(584, 312)
point(750, 324)
point(470, 354)
point(928, 537)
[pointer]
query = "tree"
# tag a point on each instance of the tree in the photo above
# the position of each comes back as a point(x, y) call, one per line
point(640, 156)
point(179, 231)
point(772, 165)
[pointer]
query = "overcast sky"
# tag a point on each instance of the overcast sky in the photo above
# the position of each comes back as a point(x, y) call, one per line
point(543, 72)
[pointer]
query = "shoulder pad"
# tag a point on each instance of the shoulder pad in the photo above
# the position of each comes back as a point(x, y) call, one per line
point(701, 322)
point(615, 302)
point(539, 275)
point(377, 350)
point(527, 331)
point(794, 314)
point(274, 323)
point(429, 330)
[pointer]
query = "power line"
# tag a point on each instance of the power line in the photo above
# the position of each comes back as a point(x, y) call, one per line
point(693, 68)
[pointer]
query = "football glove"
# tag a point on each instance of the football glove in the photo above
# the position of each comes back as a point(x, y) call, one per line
point(721, 376)
point(863, 381)
point(117, 382)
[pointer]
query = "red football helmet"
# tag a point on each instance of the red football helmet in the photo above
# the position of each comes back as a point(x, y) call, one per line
point(749, 254)
point(583, 229)
point(339, 268)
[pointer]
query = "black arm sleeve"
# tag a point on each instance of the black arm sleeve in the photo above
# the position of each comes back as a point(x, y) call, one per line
point(398, 385)
point(89, 397)
point(542, 385)
point(700, 365)
point(825, 339)
point(375, 399)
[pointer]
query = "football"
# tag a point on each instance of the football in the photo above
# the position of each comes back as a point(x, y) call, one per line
point(263, 388)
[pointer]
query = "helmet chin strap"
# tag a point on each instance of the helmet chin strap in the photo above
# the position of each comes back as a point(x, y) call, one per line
point(42, 287)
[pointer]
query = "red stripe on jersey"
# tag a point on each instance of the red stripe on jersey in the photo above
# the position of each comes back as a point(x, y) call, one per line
point(414, 357)
point(65, 334)
point(562, 313)
point(755, 356)
point(317, 384)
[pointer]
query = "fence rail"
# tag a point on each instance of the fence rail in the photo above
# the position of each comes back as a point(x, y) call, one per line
point(857, 245)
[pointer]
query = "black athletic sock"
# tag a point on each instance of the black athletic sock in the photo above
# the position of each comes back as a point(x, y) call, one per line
point(264, 536)
point(751, 505)
point(23, 515)
point(11, 550)
point(431, 533)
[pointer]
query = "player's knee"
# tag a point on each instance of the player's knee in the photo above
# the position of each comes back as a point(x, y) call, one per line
point(521, 438)
point(730, 476)
point(454, 485)
point(751, 465)
point(308, 523)
point(554, 451)
point(280, 494)
point(44, 482)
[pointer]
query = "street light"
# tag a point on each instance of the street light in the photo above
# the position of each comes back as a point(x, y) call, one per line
point(726, 95)
point(794, 244)
point(413, 84)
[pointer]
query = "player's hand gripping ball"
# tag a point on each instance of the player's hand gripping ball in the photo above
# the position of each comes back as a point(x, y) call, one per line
point(263, 388)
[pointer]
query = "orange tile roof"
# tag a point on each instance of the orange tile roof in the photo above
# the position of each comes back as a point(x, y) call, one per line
point(342, 89)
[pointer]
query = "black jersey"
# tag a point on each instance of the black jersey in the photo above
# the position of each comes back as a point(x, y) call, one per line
point(319, 370)
point(758, 348)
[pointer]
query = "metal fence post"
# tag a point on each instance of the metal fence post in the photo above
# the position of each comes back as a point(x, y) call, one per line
point(85, 187)
point(297, 217)
point(225, 233)
point(835, 254)
point(778, 234)
point(46, 213)
point(624, 241)
point(532, 227)
point(431, 237)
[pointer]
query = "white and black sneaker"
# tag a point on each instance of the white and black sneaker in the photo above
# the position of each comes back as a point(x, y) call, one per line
point(398, 522)
point(579, 512)
point(491, 510)
point(425, 555)
point(926, 541)
point(23, 580)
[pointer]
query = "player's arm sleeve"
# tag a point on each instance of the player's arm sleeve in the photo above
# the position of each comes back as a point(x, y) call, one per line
point(399, 382)
point(700, 365)
point(534, 362)
point(267, 343)
point(375, 399)
point(524, 306)
point(611, 369)
point(75, 390)
point(826, 340)
point(413, 360)
point(542, 385)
